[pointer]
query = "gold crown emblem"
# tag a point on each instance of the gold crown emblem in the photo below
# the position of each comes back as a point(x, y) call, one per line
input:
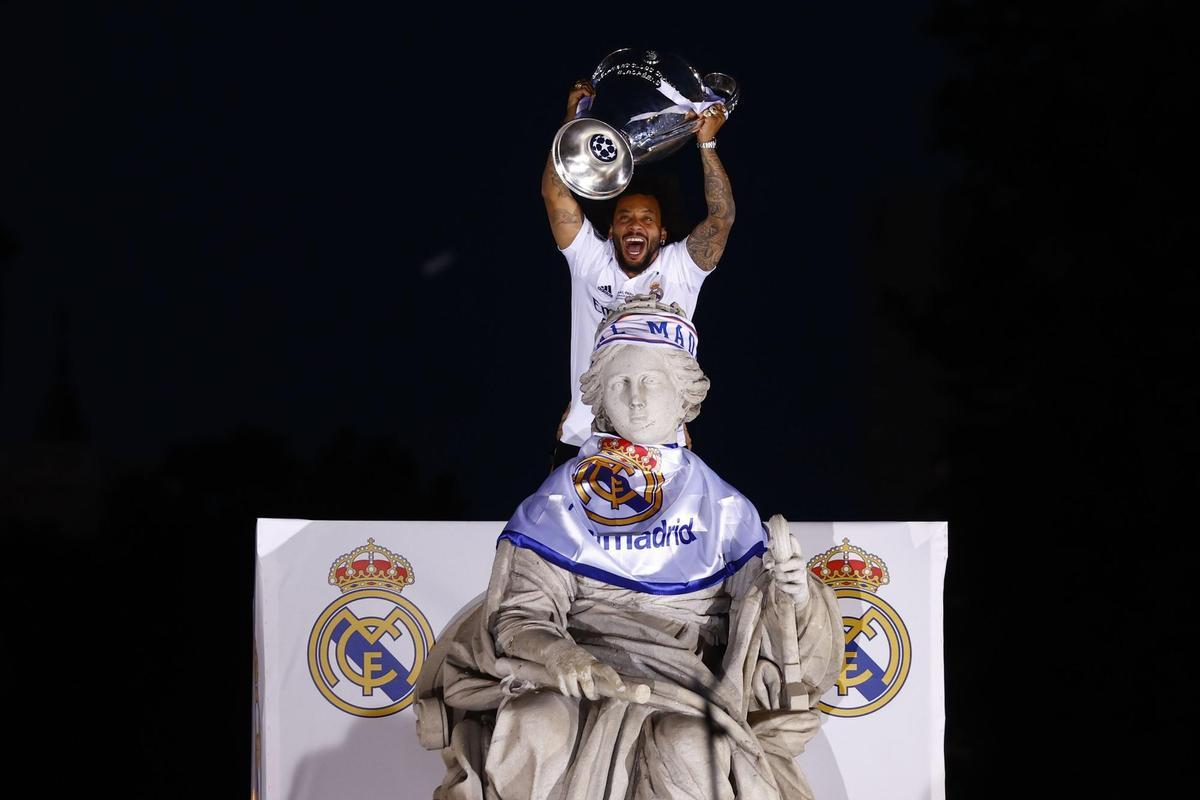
point(848, 566)
point(370, 567)
point(634, 454)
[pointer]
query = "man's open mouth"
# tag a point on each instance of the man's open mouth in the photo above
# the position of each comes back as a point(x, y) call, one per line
point(635, 246)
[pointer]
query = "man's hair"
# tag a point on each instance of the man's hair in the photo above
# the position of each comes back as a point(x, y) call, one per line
point(662, 187)
point(689, 380)
point(653, 185)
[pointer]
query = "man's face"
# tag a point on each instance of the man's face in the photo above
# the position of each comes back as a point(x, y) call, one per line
point(637, 231)
point(640, 398)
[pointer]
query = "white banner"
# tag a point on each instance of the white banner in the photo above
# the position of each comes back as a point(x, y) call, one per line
point(337, 654)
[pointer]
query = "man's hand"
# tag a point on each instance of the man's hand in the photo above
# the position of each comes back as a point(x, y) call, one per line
point(576, 670)
point(710, 122)
point(580, 90)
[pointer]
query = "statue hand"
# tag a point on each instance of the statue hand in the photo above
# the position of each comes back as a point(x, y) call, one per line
point(576, 670)
point(791, 574)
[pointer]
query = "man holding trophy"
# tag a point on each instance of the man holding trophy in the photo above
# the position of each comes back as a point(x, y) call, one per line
point(607, 130)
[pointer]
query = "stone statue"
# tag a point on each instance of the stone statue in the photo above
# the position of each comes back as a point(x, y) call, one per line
point(643, 634)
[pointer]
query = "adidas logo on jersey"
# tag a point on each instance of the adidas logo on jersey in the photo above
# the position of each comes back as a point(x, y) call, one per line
point(607, 289)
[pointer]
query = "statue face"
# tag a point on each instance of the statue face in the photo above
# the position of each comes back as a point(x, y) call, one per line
point(641, 399)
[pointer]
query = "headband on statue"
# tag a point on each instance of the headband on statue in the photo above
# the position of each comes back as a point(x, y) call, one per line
point(645, 322)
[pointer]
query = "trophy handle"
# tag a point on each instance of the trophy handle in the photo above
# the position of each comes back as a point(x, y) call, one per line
point(726, 87)
point(721, 85)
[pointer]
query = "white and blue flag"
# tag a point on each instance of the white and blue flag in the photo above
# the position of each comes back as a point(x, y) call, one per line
point(652, 519)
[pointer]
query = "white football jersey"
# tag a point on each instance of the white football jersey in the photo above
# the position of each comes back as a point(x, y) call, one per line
point(598, 285)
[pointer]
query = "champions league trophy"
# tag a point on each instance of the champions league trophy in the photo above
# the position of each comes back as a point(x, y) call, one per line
point(647, 104)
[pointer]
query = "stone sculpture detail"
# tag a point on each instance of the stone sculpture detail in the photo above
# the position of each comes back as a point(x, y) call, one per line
point(643, 633)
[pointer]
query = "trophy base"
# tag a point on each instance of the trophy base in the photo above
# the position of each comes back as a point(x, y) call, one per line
point(592, 158)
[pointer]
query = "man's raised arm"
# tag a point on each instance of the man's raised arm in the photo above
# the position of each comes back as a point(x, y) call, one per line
point(706, 243)
point(566, 217)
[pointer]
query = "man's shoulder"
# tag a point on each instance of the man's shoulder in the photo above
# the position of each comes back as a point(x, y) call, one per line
point(676, 252)
point(587, 252)
point(678, 263)
point(586, 238)
point(589, 255)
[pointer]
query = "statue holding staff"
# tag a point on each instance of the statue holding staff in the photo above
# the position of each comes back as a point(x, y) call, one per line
point(643, 633)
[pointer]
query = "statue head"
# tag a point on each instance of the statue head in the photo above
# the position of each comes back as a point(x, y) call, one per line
point(644, 381)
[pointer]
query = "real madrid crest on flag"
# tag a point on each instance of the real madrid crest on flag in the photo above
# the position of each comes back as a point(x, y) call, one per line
point(878, 649)
point(620, 485)
point(368, 646)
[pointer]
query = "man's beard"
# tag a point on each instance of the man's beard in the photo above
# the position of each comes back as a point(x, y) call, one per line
point(652, 248)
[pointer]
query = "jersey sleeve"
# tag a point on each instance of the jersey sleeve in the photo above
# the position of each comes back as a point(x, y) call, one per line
point(585, 251)
point(688, 272)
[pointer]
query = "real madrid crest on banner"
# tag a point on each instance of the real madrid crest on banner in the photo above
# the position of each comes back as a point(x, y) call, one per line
point(368, 646)
point(878, 649)
point(621, 484)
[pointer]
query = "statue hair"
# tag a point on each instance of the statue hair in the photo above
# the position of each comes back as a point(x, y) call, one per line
point(689, 380)
point(685, 373)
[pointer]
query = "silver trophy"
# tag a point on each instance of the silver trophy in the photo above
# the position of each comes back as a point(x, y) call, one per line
point(646, 105)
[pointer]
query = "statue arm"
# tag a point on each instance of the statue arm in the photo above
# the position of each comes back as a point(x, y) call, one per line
point(530, 623)
point(566, 217)
point(530, 600)
point(807, 619)
point(822, 639)
point(706, 244)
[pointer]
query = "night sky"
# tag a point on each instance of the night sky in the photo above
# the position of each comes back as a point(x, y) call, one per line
point(294, 262)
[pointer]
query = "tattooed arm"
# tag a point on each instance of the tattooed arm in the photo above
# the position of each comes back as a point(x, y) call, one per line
point(706, 243)
point(566, 217)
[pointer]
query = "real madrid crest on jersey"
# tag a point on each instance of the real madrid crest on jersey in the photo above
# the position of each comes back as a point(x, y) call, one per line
point(621, 484)
point(368, 646)
point(878, 649)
